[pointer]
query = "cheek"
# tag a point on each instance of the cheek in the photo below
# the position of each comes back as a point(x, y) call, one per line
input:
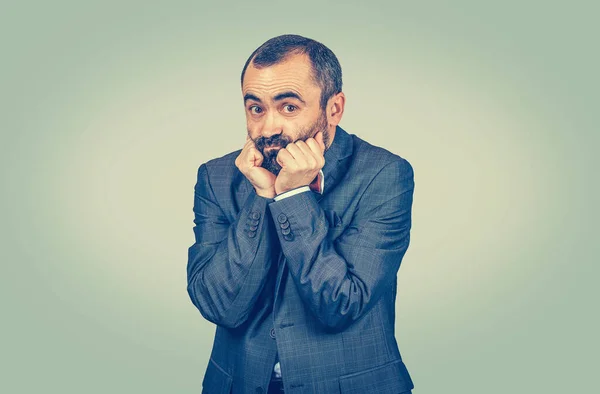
point(253, 127)
point(289, 127)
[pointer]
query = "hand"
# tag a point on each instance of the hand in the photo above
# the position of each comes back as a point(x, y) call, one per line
point(300, 163)
point(248, 162)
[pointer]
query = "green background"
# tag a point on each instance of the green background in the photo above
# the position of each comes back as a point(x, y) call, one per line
point(108, 108)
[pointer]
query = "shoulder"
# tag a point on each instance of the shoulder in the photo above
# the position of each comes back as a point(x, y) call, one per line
point(386, 179)
point(375, 161)
point(224, 165)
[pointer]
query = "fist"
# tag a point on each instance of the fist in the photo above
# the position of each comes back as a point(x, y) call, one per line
point(300, 163)
point(249, 163)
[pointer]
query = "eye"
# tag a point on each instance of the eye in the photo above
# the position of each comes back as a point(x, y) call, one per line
point(254, 109)
point(289, 108)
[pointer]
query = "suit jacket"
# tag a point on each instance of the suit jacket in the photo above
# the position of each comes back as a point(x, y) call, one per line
point(310, 278)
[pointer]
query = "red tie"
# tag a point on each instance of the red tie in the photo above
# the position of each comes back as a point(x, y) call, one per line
point(315, 185)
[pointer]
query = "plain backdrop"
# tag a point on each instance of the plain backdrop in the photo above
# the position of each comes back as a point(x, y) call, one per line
point(109, 108)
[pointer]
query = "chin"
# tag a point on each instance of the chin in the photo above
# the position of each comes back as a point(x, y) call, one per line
point(271, 166)
point(270, 160)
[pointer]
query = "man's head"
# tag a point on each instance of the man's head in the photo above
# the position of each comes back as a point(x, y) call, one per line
point(292, 88)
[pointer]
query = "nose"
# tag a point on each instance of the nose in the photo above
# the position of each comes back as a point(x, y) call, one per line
point(272, 124)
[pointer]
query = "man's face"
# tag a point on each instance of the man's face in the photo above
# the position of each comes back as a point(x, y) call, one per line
point(282, 104)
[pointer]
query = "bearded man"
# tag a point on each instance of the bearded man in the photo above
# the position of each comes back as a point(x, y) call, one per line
point(299, 238)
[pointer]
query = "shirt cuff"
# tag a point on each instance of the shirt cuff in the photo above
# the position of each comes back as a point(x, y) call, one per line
point(292, 192)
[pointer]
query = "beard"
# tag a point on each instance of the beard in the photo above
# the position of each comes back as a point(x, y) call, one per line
point(266, 145)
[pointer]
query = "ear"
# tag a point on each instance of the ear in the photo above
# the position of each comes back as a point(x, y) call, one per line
point(335, 109)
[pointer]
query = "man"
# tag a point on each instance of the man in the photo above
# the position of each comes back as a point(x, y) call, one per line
point(299, 237)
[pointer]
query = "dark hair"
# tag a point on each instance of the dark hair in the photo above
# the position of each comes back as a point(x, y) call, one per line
point(327, 72)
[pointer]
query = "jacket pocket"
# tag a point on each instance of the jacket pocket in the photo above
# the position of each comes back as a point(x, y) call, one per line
point(216, 380)
point(389, 378)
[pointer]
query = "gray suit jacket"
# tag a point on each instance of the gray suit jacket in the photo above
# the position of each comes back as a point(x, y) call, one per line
point(311, 278)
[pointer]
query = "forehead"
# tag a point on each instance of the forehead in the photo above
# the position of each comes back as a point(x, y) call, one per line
point(294, 74)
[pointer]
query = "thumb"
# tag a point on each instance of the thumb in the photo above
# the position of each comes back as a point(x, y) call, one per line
point(319, 139)
point(257, 158)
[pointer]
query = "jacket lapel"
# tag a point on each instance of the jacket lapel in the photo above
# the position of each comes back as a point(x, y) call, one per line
point(336, 160)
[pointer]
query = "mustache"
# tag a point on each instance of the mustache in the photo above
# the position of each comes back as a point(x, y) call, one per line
point(279, 140)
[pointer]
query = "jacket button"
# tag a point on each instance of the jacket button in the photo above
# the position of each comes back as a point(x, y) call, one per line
point(285, 231)
point(255, 215)
point(288, 237)
point(281, 218)
point(253, 228)
point(272, 333)
point(285, 224)
point(252, 234)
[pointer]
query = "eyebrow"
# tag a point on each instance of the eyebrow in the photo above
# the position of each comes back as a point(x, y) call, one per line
point(279, 97)
point(284, 95)
point(250, 96)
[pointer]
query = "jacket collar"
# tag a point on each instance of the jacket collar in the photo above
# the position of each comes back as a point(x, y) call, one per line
point(336, 162)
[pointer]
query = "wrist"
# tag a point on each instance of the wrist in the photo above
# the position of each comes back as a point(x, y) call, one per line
point(285, 190)
point(266, 193)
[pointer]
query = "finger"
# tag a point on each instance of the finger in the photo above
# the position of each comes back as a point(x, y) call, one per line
point(314, 147)
point(251, 156)
point(243, 157)
point(251, 147)
point(316, 152)
point(248, 141)
point(247, 146)
point(309, 157)
point(319, 139)
point(258, 159)
point(295, 151)
point(285, 159)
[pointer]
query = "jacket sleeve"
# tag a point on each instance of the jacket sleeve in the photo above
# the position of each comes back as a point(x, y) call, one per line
point(228, 264)
point(341, 280)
